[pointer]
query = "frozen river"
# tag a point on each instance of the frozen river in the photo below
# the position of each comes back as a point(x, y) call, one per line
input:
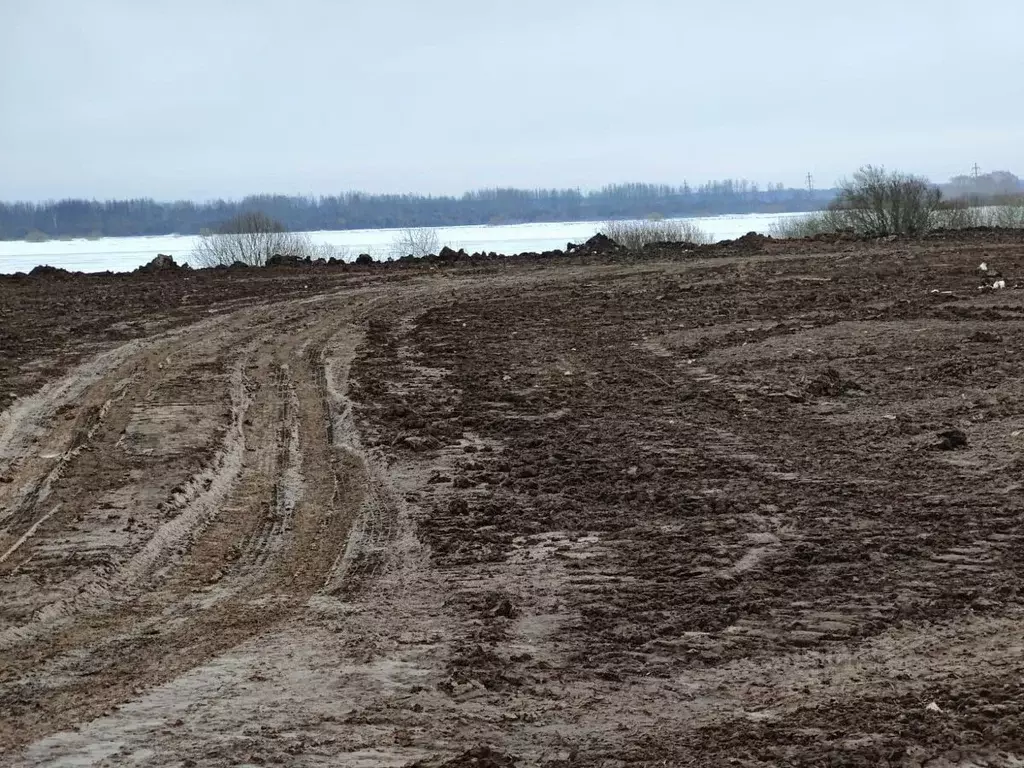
point(123, 254)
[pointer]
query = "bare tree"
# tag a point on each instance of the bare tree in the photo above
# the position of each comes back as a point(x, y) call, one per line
point(250, 238)
point(876, 203)
point(415, 242)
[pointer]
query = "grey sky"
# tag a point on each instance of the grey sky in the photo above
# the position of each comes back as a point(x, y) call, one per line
point(207, 98)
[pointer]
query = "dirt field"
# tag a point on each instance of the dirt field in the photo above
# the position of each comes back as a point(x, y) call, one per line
point(758, 506)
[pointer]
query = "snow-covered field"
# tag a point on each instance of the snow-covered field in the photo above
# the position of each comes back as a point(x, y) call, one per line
point(123, 254)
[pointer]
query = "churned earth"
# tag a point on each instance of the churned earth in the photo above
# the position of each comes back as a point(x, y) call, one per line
point(757, 504)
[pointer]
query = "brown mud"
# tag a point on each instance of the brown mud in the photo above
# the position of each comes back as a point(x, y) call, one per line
point(757, 505)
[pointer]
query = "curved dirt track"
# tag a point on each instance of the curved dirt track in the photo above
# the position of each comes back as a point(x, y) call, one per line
point(170, 499)
point(680, 512)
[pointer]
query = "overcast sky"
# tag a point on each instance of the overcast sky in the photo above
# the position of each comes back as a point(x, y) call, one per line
point(209, 98)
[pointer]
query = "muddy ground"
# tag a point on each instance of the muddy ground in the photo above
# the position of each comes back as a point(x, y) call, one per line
point(752, 506)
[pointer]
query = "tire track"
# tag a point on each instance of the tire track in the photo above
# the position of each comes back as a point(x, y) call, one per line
point(196, 502)
point(86, 460)
point(104, 377)
point(30, 415)
point(24, 511)
point(268, 541)
point(97, 579)
point(37, 489)
point(202, 496)
point(366, 550)
point(278, 495)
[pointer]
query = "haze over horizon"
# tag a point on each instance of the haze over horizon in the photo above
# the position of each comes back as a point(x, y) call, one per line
point(202, 100)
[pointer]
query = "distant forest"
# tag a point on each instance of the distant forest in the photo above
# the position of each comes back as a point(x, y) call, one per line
point(356, 210)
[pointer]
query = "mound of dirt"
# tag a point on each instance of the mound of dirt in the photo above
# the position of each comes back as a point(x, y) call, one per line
point(45, 270)
point(162, 263)
point(750, 242)
point(598, 245)
point(288, 260)
point(449, 256)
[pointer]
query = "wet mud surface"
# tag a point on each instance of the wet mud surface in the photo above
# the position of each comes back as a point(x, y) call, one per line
point(750, 506)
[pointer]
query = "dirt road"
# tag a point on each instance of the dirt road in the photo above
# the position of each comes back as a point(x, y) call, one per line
point(754, 507)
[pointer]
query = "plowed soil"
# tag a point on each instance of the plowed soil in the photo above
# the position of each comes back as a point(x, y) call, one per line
point(758, 505)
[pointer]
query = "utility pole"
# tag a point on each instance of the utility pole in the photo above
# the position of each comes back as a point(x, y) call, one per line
point(810, 183)
point(976, 169)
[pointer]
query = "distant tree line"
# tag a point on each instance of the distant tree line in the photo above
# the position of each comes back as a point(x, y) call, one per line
point(356, 210)
point(994, 184)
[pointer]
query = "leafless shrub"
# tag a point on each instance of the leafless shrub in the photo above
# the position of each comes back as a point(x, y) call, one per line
point(809, 225)
point(636, 234)
point(877, 203)
point(1007, 213)
point(412, 241)
point(958, 214)
point(250, 238)
point(1010, 216)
